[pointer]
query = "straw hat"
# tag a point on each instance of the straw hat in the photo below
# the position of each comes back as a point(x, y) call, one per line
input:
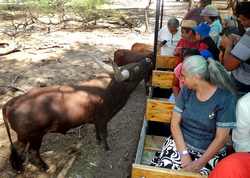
point(188, 24)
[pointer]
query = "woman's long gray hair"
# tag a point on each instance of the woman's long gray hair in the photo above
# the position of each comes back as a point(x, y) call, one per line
point(210, 71)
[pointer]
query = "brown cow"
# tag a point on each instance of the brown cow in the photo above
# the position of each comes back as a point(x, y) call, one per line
point(60, 108)
point(125, 56)
point(143, 48)
point(138, 52)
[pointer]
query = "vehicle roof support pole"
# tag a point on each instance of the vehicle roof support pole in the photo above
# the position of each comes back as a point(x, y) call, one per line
point(157, 15)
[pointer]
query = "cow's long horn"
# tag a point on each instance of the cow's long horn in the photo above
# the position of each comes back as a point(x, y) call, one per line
point(117, 73)
point(103, 65)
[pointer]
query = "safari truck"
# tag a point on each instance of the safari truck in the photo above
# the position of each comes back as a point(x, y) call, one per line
point(158, 113)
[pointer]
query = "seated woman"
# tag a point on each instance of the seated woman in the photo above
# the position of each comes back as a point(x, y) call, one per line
point(212, 17)
point(178, 83)
point(237, 165)
point(169, 37)
point(202, 118)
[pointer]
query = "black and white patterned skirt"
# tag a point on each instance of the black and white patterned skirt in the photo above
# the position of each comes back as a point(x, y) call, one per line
point(170, 158)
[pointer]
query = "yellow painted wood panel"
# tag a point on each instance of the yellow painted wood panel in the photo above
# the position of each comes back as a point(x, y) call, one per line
point(162, 79)
point(143, 171)
point(158, 110)
point(167, 62)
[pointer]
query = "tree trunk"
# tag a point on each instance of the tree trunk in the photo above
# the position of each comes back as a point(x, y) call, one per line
point(146, 16)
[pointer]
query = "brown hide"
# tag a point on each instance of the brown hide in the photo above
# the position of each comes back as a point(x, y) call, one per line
point(73, 105)
point(60, 108)
point(125, 56)
point(143, 48)
point(138, 52)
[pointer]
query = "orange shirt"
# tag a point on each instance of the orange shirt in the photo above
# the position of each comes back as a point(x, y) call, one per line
point(236, 165)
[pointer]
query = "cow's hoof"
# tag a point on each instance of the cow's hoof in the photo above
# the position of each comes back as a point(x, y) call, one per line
point(44, 166)
point(107, 148)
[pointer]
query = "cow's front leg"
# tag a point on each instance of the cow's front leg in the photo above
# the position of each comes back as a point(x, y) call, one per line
point(98, 138)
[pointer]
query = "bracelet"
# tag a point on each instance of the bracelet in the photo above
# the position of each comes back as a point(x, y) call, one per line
point(183, 153)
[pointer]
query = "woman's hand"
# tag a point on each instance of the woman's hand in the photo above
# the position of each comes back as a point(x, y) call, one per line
point(194, 166)
point(185, 160)
point(226, 41)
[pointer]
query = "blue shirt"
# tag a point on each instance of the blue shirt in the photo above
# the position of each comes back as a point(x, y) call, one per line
point(199, 119)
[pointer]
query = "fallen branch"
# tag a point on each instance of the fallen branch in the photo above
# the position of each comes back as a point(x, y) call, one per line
point(3, 45)
point(13, 88)
point(9, 51)
point(69, 164)
point(128, 23)
point(66, 168)
point(15, 80)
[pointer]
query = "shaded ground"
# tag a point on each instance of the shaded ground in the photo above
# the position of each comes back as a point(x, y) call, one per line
point(68, 61)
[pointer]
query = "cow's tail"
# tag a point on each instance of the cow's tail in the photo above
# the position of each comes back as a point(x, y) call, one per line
point(4, 111)
point(15, 159)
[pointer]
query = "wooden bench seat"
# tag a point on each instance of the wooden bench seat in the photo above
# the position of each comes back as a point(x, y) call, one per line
point(159, 110)
point(148, 145)
point(166, 62)
point(162, 79)
point(144, 171)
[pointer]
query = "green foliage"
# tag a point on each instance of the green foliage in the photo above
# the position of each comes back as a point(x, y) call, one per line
point(53, 6)
point(88, 4)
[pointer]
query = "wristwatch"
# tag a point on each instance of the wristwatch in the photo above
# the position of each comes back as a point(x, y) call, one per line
point(183, 153)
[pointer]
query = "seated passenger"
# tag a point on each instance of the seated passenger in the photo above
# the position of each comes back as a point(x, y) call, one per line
point(187, 37)
point(202, 35)
point(169, 37)
point(237, 57)
point(241, 134)
point(212, 17)
point(178, 83)
point(202, 118)
point(229, 22)
point(237, 165)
